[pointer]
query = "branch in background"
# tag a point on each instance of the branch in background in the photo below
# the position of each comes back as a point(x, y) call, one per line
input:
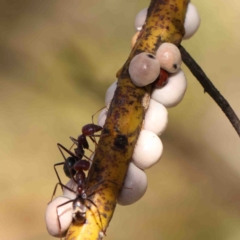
point(210, 89)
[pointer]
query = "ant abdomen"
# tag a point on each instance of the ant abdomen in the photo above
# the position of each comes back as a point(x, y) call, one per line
point(68, 166)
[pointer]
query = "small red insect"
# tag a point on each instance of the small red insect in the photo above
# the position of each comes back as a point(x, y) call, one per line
point(162, 79)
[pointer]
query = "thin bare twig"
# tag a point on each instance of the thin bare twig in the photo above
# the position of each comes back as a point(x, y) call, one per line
point(210, 89)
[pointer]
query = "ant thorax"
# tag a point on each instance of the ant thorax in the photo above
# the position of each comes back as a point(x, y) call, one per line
point(84, 196)
point(79, 210)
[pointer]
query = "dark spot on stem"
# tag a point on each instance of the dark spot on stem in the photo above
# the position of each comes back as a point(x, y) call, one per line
point(105, 131)
point(107, 208)
point(121, 141)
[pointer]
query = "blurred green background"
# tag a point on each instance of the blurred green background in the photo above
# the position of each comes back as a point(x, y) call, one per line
point(57, 59)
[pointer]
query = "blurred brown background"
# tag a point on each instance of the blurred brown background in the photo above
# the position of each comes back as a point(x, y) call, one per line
point(57, 58)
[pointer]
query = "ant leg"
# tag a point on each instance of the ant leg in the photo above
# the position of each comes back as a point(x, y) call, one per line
point(96, 113)
point(92, 137)
point(89, 208)
point(93, 123)
point(59, 223)
point(62, 186)
point(101, 182)
point(60, 147)
point(58, 164)
point(68, 188)
point(74, 140)
point(96, 135)
point(71, 147)
point(54, 191)
point(106, 181)
point(91, 150)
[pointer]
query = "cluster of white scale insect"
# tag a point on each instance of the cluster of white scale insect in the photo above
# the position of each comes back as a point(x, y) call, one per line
point(143, 69)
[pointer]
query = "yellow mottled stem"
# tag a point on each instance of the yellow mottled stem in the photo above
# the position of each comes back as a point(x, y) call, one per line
point(164, 23)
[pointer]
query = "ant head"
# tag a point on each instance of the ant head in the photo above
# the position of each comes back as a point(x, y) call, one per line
point(90, 129)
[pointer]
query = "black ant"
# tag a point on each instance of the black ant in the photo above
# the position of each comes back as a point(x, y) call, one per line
point(70, 163)
point(81, 142)
point(75, 169)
